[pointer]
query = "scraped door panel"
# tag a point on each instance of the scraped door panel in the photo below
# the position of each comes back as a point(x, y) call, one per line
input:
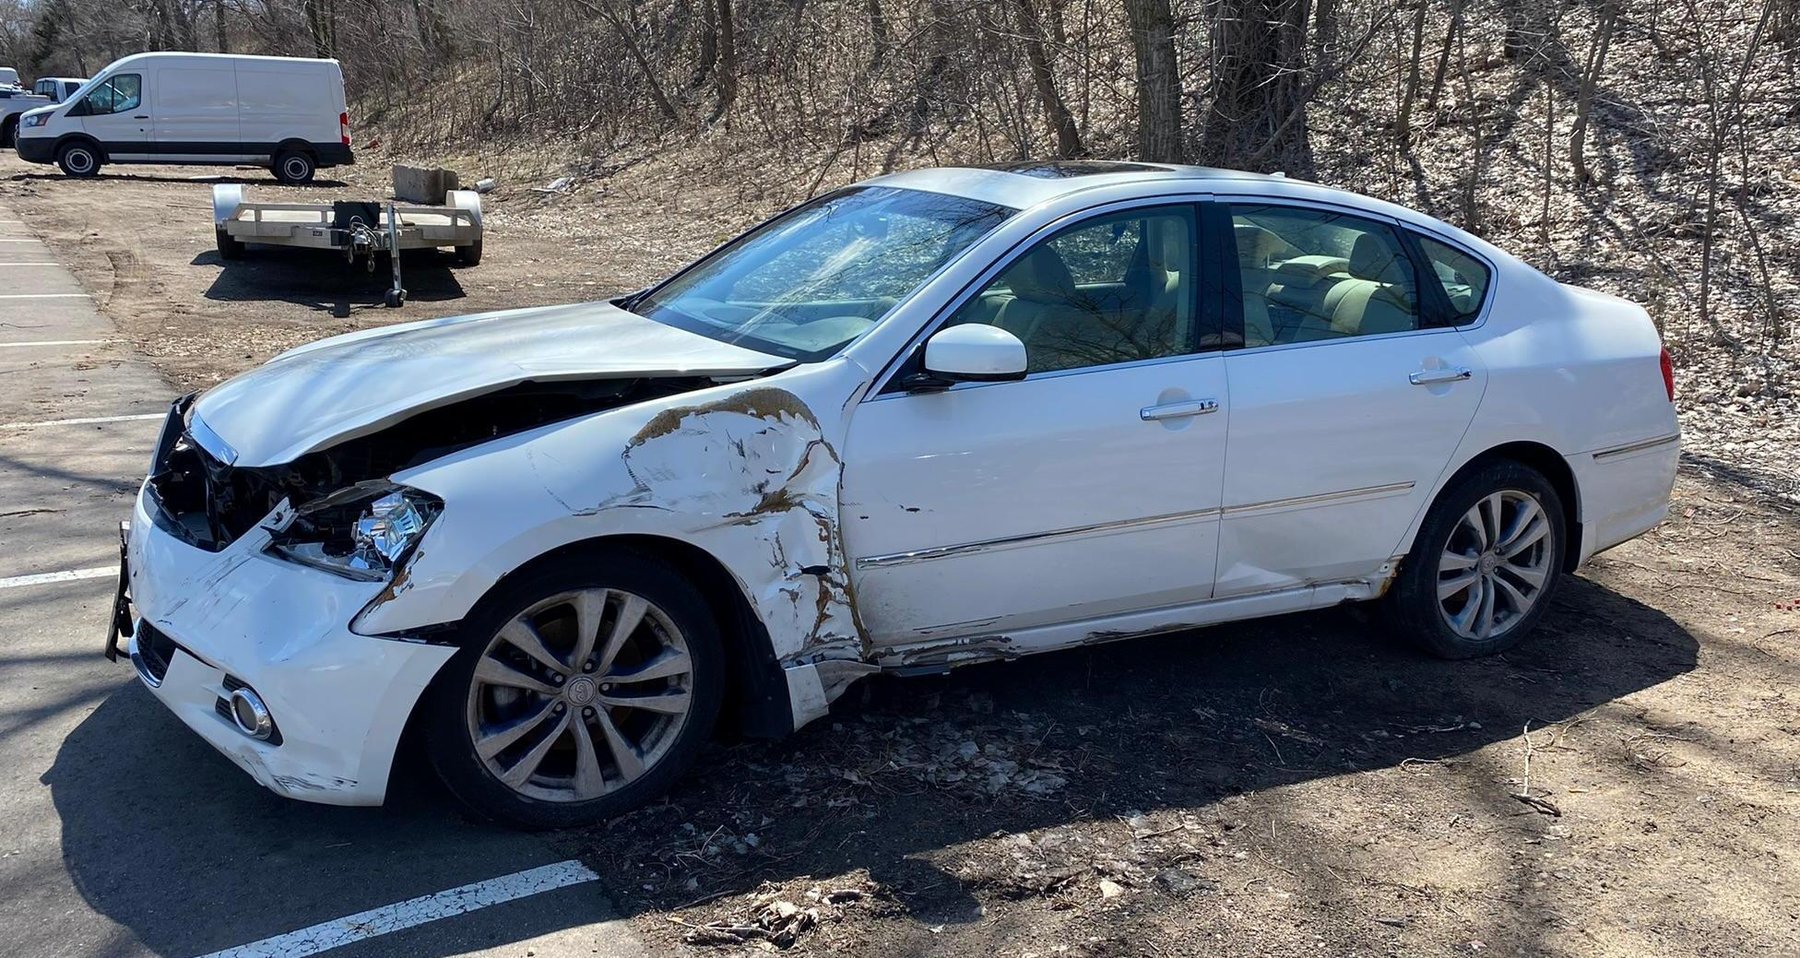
point(1334, 450)
point(1051, 500)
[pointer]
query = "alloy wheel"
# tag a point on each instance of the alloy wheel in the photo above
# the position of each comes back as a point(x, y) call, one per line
point(580, 694)
point(1495, 565)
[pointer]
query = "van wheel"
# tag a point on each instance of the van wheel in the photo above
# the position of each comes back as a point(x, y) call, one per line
point(229, 247)
point(78, 160)
point(469, 255)
point(582, 691)
point(1484, 566)
point(294, 167)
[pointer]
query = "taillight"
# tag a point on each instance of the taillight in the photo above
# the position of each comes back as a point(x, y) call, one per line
point(344, 126)
point(1668, 368)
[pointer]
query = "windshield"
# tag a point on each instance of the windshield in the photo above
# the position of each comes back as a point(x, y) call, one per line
point(806, 283)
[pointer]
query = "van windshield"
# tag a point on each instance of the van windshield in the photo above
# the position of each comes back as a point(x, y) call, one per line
point(807, 283)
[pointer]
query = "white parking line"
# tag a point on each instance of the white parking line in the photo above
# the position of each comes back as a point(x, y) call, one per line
point(83, 422)
point(4, 265)
point(58, 342)
point(69, 575)
point(415, 911)
point(44, 296)
point(16, 239)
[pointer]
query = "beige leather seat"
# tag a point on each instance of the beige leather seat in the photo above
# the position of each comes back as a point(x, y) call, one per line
point(1256, 247)
point(1378, 298)
point(1057, 323)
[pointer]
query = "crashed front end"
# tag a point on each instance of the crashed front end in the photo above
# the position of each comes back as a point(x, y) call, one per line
point(246, 632)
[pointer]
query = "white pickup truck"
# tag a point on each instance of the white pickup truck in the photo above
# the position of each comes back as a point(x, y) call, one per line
point(15, 100)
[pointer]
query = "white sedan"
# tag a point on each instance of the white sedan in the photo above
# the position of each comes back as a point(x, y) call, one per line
point(940, 417)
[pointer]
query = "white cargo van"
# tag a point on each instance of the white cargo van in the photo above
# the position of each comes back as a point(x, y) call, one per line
point(282, 112)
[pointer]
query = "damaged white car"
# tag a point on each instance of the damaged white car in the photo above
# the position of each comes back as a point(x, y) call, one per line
point(941, 417)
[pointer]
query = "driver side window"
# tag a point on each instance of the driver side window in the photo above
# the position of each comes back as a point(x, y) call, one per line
point(1116, 289)
point(118, 94)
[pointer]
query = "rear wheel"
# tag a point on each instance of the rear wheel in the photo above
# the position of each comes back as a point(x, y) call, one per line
point(581, 692)
point(1484, 566)
point(294, 167)
point(79, 160)
point(469, 255)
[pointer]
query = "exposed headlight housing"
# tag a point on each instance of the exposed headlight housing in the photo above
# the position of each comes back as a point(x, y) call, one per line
point(363, 532)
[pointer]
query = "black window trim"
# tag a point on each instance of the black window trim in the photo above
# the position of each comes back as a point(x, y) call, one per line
point(1448, 318)
point(1208, 310)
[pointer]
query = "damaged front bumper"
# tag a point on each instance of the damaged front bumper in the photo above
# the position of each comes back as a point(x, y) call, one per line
point(207, 623)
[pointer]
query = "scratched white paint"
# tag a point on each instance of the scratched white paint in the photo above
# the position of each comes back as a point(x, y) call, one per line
point(413, 912)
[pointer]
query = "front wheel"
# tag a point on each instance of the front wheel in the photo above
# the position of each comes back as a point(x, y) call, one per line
point(581, 692)
point(1484, 566)
point(79, 160)
point(9, 133)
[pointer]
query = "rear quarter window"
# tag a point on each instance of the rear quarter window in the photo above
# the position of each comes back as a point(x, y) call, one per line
point(1464, 278)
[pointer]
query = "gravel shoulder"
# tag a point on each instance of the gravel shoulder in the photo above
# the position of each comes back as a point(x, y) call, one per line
point(1625, 783)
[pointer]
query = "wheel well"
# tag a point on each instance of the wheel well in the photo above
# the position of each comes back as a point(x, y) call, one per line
point(80, 138)
point(1548, 463)
point(300, 146)
point(756, 697)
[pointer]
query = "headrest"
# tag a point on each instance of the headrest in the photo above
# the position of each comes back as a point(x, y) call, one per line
point(1170, 251)
point(1255, 245)
point(1372, 257)
point(1041, 276)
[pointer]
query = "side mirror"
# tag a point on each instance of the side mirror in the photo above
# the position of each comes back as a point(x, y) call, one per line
point(970, 353)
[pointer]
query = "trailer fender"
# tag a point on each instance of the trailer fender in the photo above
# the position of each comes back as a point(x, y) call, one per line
point(467, 200)
point(227, 199)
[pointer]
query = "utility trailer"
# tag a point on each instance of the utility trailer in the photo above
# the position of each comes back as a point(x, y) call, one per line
point(359, 230)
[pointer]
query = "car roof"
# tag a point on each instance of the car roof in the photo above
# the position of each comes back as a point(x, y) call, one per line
point(1024, 185)
point(183, 55)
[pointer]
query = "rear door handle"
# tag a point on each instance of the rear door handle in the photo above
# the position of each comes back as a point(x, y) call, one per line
point(1178, 410)
point(1433, 377)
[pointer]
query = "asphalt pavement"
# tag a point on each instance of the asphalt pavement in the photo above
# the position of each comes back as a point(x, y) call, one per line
point(121, 832)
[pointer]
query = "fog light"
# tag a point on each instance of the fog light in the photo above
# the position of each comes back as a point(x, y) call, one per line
point(251, 715)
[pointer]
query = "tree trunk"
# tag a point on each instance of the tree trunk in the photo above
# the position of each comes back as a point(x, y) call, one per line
point(878, 37)
point(1158, 80)
point(726, 81)
point(1257, 120)
point(1584, 96)
point(1062, 125)
point(219, 39)
point(709, 44)
point(1403, 121)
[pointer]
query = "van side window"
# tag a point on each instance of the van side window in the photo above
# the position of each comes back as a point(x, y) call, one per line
point(118, 94)
point(1464, 278)
point(1312, 274)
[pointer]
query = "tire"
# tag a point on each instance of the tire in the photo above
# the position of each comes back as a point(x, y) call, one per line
point(674, 630)
point(1456, 546)
point(79, 160)
point(9, 132)
point(469, 255)
point(294, 167)
point(394, 298)
point(229, 247)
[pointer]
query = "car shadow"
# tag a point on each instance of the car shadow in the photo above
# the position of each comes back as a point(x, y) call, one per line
point(168, 839)
point(322, 280)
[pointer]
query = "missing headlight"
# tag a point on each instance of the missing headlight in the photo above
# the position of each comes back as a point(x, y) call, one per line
point(364, 531)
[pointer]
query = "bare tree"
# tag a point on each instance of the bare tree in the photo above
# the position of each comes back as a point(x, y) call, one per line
point(1031, 37)
point(1257, 119)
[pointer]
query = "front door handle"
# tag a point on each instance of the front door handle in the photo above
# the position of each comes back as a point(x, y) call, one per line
point(1178, 410)
point(1434, 377)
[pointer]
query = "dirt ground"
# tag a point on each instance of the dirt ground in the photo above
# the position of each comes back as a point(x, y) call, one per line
point(1626, 783)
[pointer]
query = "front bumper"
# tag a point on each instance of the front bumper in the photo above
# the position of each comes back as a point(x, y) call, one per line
point(339, 700)
point(36, 149)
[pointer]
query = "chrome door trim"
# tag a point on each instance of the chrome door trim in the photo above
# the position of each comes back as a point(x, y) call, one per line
point(1103, 528)
point(1615, 452)
point(985, 545)
point(1322, 498)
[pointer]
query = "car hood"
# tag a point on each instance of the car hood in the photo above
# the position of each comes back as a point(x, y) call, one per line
point(348, 386)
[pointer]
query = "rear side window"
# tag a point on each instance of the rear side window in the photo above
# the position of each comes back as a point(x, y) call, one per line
point(1463, 277)
point(1316, 274)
